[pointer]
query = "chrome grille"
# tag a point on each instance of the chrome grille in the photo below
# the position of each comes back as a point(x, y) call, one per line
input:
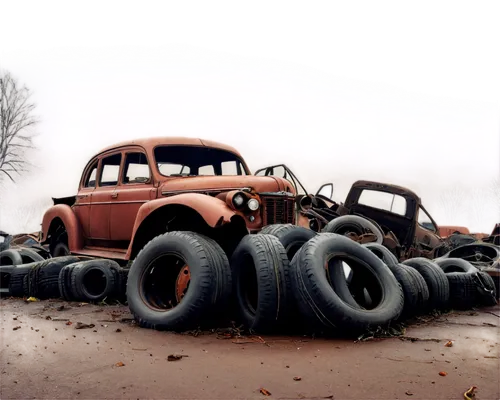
point(278, 210)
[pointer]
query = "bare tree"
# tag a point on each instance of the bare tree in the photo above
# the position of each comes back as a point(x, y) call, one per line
point(451, 200)
point(16, 126)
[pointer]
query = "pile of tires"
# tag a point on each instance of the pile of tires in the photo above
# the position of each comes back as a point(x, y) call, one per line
point(65, 277)
point(184, 280)
point(469, 286)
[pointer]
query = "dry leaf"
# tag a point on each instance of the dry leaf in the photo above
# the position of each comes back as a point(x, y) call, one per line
point(297, 378)
point(16, 328)
point(469, 394)
point(69, 323)
point(408, 393)
point(449, 344)
point(442, 373)
point(265, 392)
point(81, 325)
point(120, 364)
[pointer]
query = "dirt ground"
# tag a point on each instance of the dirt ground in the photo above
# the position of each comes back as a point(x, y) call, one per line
point(46, 357)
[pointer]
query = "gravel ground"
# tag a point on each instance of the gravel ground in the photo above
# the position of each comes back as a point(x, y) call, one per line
point(45, 356)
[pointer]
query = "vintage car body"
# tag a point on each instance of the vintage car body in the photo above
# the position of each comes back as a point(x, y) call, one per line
point(408, 228)
point(177, 183)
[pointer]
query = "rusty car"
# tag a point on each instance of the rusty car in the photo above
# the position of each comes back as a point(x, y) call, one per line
point(132, 191)
point(408, 228)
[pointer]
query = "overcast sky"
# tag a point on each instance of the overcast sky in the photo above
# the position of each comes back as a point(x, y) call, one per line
point(406, 93)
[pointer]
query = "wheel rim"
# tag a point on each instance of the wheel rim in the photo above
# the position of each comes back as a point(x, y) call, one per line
point(182, 283)
point(165, 282)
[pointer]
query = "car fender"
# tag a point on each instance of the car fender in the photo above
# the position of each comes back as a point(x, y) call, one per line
point(67, 216)
point(213, 210)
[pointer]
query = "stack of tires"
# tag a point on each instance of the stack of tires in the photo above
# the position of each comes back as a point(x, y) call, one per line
point(284, 279)
point(469, 286)
point(65, 277)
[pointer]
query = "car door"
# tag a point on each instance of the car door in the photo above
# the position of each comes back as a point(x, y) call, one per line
point(426, 231)
point(101, 197)
point(82, 205)
point(134, 189)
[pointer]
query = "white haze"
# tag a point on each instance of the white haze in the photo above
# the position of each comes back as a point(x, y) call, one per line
point(388, 91)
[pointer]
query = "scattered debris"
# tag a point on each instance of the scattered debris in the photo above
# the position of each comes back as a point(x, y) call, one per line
point(249, 339)
point(118, 330)
point(416, 339)
point(265, 392)
point(443, 373)
point(120, 364)
point(469, 394)
point(175, 357)
point(31, 299)
point(297, 378)
point(16, 328)
point(408, 393)
point(48, 317)
point(69, 323)
point(449, 343)
point(81, 325)
point(60, 308)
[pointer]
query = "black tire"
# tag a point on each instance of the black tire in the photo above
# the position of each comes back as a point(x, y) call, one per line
point(94, 280)
point(274, 229)
point(26, 286)
point(353, 223)
point(61, 249)
point(486, 291)
point(65, 288)
point(16, 279)
point(463, 290)
point(5, 274)
point(494, 274)
point(224, 280)
point(422, 301)
point(148, 303)
point(10, 257)
point(318, 301)
point(437, 283)
point(29, 256)
point(384, 254)
point(407, 282)
point(260, 269)
point(455, 265)
point(292, 237)
point(410, 290)
point(43, 277)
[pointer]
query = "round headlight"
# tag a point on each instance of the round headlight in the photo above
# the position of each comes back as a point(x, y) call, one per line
point(238, 199)
point(253, 204)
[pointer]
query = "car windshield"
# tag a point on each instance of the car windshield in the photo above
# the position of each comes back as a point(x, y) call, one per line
point(197, 161)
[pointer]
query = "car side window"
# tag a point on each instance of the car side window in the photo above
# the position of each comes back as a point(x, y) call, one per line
point(383, 200)
point(136, 169)
point(110, 170)
point(91, 176)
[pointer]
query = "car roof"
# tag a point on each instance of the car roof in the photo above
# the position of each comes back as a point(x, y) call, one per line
point(151, 142)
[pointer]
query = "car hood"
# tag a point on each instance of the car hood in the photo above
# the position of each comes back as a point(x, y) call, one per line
point(258, 184)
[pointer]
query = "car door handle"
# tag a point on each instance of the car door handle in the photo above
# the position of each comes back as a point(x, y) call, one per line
point(114, 195)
